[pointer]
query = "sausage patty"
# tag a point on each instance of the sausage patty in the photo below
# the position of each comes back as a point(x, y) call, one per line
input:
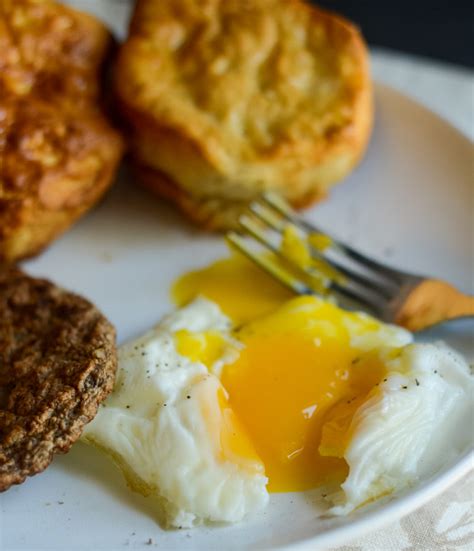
point(57, 364)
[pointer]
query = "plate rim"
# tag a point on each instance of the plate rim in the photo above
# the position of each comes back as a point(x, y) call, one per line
point(397, 508)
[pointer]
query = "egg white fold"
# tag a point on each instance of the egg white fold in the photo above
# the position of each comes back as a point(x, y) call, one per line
point(396, 433)
point(154, 427)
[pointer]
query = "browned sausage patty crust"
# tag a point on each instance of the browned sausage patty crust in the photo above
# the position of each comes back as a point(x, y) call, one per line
point(57, 364)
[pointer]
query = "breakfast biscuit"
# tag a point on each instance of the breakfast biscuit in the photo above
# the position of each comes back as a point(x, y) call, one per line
point(58, 152)
point(226, 99)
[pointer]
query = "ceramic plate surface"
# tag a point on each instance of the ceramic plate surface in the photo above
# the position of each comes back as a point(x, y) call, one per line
point(408, 203)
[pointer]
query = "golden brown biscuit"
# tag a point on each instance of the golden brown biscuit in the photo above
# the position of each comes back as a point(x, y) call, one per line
point(226, 98)
point(58, 153)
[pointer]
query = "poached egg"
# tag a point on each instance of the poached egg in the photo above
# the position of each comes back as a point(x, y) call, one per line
point(247, 390)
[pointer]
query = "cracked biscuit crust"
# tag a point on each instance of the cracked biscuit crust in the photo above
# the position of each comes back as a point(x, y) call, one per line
point(226, 98)
point(57, 364)
point(58, 152)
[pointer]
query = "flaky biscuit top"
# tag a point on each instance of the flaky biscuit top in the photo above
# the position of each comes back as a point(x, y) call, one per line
point(49, 51)
point(244, 80)
point(58, 152)
point(51, 126)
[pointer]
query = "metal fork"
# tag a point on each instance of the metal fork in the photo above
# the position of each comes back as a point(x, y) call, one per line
point(409, 300)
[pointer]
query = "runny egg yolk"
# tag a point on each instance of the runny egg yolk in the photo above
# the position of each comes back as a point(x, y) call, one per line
point(296, 382)
point(242, 290)
point(229, 437)
point(205, 347)
point(235, 444)
point(296, 366)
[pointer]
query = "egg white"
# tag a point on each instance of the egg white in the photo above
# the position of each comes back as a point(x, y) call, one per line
point(159, 436)
point(399, 432)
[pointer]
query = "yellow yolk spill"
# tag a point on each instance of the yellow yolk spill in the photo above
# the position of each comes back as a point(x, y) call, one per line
point(296, 247)
point(241, 289)
point(296, 383)
point(235, 443)
point(205, 347)
point(295, 367)
point(244, 291)
point(229, 437)
point(319, 241)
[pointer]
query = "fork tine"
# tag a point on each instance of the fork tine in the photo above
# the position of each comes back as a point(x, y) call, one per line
point(356, 297)
point(279, 274)
point(275, 222)
point(266, 215)
point(321, 285)
point(253, 229)
point(287, 212)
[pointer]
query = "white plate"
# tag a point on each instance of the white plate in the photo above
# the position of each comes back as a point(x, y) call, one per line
point(408, 203)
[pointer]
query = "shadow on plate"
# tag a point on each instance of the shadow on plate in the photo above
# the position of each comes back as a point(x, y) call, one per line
point(128, 204)
point(89, 465)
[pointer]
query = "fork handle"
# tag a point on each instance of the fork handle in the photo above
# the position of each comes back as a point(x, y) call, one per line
point(432, 301)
